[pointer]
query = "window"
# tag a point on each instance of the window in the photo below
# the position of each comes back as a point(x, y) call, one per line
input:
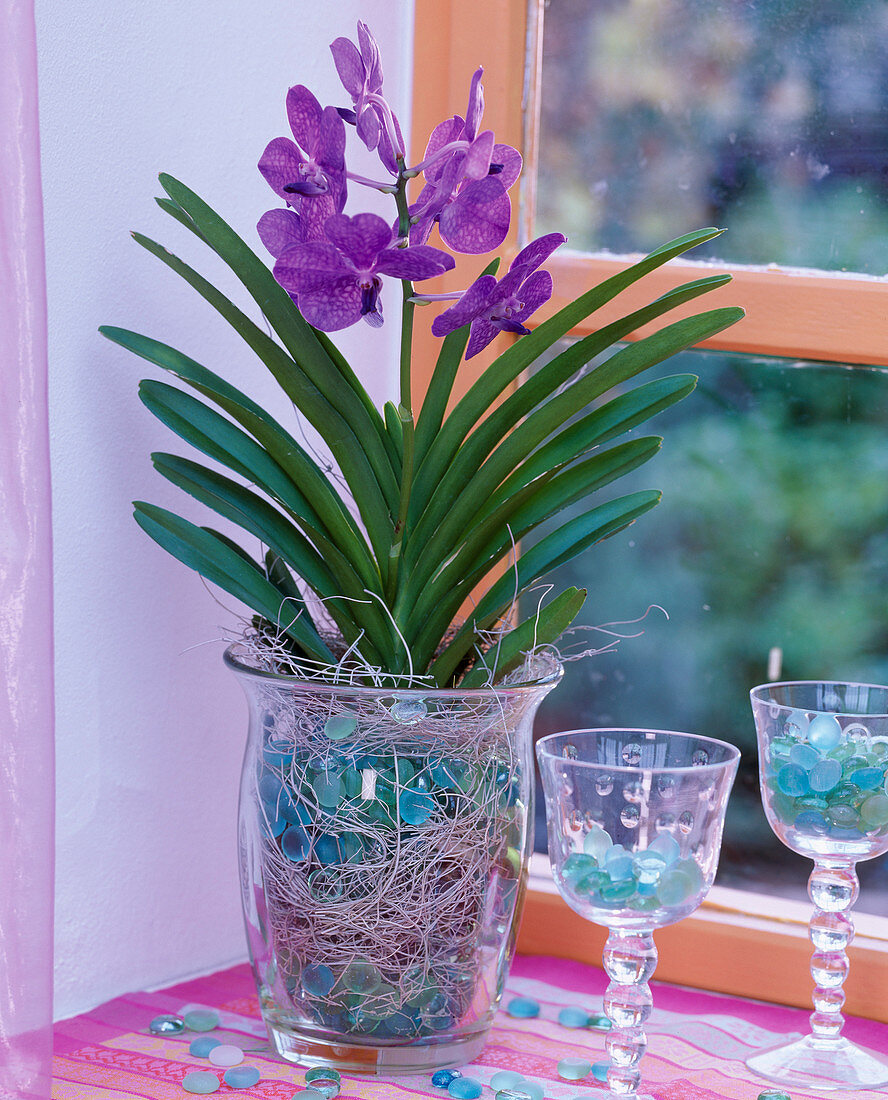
point(803, 315)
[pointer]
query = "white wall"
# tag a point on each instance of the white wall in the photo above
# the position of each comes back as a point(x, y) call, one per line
point(150, 728)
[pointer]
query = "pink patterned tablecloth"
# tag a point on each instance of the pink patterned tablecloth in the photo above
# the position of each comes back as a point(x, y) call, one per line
point(697, 1042)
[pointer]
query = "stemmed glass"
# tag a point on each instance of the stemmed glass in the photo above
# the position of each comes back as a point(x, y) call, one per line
point(635, 822)
point(823, 759)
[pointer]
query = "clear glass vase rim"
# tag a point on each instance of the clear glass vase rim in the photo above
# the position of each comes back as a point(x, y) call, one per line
point(759, 694)
point(547, 682)
point(733, 757)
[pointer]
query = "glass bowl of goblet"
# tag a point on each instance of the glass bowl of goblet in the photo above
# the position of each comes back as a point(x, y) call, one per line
point(823, 767)
point(635, 820)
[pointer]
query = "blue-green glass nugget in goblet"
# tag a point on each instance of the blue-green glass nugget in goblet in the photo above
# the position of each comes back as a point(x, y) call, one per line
point(635, 821)
point(823, 765)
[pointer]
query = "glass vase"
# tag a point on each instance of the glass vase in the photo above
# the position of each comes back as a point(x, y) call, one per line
point(384, 837)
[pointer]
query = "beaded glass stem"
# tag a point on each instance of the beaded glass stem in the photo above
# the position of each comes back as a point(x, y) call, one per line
point(823, 764)
point(635, 823)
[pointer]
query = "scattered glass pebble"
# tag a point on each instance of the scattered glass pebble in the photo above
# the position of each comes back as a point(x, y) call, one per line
point(202, 1045)
point(201, 1019)
point(774, 1094)
point(201, 1082)
point(599, 1071)
point(505, 1079)
point(523, 1008)
point(465, 1088)
point(573, 1069)
point(533, 1089)
point(516, 1093)
point(166, 1025)
point(573, 1016)
point(441, 1078)
point(241, 1077)
point(307, 1094)
point(226, 1054)
point(325, 1087)
point(322, 1073)
point(599, 1022)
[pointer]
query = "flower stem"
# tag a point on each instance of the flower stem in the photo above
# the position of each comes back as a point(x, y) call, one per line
point(405, 406)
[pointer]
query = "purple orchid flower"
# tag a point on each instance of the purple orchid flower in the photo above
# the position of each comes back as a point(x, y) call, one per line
point(361, 74)
point(467, 178)
point(492, 306)
point(337, 281)
point(309, 174)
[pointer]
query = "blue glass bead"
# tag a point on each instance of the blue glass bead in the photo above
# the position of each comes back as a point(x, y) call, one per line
point(812, 821)
point(294, 843)
point(201, 1082)
point(166, 1025)
point(523, 1008)
point(573, 1069)
point(201, 1019)
point(804, 756)
point(465, 1088)
point(793, 780)
point(506, 1079)
point(202, 1045)
point(327, 850)
point(599, 1071)
point(322, 1073)
point(415, 808)
point(317, 979)
point(596, 842)
point(618, 863)
point(824, 732)
point(573, 1016)
point(441, 1078)
point(667, 846)
point(340, 726)
point(867, 778)
point(241, 1077)
point(648, 866)
point(825, 775)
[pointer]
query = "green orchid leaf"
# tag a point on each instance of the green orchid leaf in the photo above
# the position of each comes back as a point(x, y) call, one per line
point(279, 575)
point(458, 495)
point(215, 560)
point(354, 435)
point(474, 407)
point(557, 548)
point(395, 429)
point(333, 516)
point(543, 628)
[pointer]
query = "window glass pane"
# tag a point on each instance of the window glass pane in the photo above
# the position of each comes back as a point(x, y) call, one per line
point(767, 117)
point(772, 532)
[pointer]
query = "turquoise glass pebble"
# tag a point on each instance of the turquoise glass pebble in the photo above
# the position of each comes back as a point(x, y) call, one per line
point(415, 808)
point(465, 1088)
point(774, 1094)
point(599, 1022)
point(812, 821)
point(804, 756)
point(308, 1094)
point(517, 1093)
point(824, 732)
point(573, 1069)
point(667, 846)
point(166, 1025)
point(824, 775)
point(340, 726)
point(523, 1008)
point(202, 1045)
point(599, 1071)
point(533, 1089)
point(322, 1073)
point(317, 979)
point(295, 843)
point(573, 1016)
point(328, 788)
point(408, 711)
point(868, 779)
point(241, 1077)
point(441, 1078)
point(201, 1019)
point(793, 780)
point(201, 1082)
point(596, 842)
point(874, 811)
point(505, 1079)
point(327, 850)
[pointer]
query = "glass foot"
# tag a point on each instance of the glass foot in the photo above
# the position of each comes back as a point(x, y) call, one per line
point(821, 1064)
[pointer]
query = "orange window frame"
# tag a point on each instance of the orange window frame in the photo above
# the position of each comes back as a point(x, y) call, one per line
point(729, 947)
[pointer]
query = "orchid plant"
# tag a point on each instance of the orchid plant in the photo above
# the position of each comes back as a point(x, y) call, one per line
point(426, 507)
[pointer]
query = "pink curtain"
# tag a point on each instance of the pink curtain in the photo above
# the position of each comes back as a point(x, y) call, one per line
point(26, 678)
